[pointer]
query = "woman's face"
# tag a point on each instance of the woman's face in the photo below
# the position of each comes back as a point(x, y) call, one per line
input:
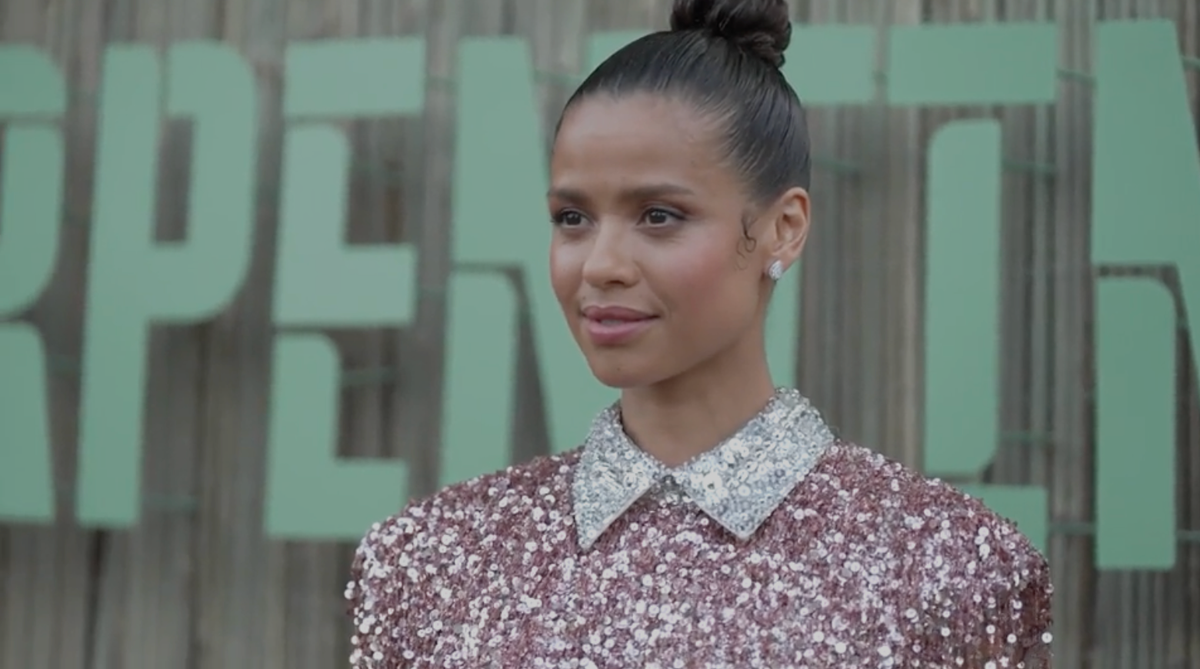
point(649, 259)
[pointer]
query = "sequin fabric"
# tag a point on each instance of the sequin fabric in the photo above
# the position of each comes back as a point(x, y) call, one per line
point(738, 483)
point(782, 547)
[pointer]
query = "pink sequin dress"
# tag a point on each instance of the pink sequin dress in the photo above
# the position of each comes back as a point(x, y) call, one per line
point(782, 547)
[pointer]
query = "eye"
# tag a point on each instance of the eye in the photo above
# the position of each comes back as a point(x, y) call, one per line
point(567, 218)
point(658, 216)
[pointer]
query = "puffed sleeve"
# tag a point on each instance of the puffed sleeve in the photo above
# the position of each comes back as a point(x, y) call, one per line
point(385, 583)
point(1017, 632)
point(366, 652)
point(993, 608)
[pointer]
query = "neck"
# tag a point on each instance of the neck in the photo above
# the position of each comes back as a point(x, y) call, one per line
point(680, 418)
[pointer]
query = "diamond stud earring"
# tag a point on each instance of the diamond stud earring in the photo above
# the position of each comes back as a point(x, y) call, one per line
point(775, 271)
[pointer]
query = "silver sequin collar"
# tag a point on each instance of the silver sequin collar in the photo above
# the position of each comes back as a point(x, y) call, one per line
point(738, 483)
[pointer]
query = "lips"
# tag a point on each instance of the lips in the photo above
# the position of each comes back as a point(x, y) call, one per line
point(610, 326)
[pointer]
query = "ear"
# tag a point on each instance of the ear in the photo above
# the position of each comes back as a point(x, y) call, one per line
point(791, 226)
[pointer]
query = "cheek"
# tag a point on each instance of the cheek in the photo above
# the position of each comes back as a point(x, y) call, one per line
point(565, 271)
point(706, 280)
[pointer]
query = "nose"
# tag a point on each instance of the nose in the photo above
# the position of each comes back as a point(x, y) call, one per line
point(609, 259)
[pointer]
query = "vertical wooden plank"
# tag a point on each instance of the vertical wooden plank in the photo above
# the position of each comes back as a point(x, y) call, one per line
point(75, 37)
point(556, 34)
point(240, 586)
point(428, 335)
point(810, 357)
point(903, 182)
point(1071, 554)
point(12, 620)
point(856, 273)
point(114, 549)
point(822, 287)
point(159, 564)
point(1189, 19)
point(900, 195)
point(1185, 647)
point(18, 542)
point(871, 256)
point(1149, 626)
point(847, 281)
point(1170, 589)
point(1179, 591)
point(45, 586)
point(1117, 645)
point(265, 44)
point(1041, 267)
point(1012, 452)
point(39, 616)
point(814, 321)
point(405, 404)
point(882, 333)
point(87, 36)
point(484, 18)
point(311, 602)
point(83, 38)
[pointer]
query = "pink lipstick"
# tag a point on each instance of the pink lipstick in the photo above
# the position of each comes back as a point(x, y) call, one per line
point(614, 326)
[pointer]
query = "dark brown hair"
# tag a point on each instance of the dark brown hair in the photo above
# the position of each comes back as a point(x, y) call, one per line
point(723, 57)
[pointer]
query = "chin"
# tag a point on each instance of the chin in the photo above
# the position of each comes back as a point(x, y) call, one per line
point(614, 377)
point(615, 372)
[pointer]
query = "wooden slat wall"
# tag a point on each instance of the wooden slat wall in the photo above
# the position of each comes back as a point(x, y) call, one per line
point(197, 584)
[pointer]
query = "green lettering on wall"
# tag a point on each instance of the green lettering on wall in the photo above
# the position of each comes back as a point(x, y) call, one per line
point(962, 316)
point(135, 282)
point(493, 199)
point(322, 282)
point(832, 64)
point(311, 494)
point(1135, 425)
point(1146, 211)
point(500, 231)
point(33, 176)
point(1008, 63)
point(481, 375)
point(31, 187)
point(973, 64)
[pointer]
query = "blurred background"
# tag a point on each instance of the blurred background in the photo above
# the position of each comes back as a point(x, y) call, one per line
point(198, 583)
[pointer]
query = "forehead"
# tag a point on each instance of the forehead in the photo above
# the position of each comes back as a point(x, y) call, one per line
point(636, 134)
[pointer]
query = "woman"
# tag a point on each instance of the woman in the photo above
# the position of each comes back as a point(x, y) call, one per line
point(709, 519)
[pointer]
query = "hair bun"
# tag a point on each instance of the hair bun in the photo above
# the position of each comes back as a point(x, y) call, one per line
point(760, 27)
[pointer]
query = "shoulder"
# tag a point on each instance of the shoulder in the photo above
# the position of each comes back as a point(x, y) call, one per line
point(977, 578)
point(913, 507)
point(407, 563)
point(927, 516)
point(466, 508)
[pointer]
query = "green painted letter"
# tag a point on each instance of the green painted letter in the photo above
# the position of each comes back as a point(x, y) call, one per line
point(1145, 211)
point(321, 282)
point(135, 282)
point(30, 209)
point(955, 65)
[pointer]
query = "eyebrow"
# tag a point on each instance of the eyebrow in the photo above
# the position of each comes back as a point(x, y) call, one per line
point(643, 192)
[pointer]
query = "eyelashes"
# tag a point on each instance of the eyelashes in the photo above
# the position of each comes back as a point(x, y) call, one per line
point(653, 217)
point(567, 218)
